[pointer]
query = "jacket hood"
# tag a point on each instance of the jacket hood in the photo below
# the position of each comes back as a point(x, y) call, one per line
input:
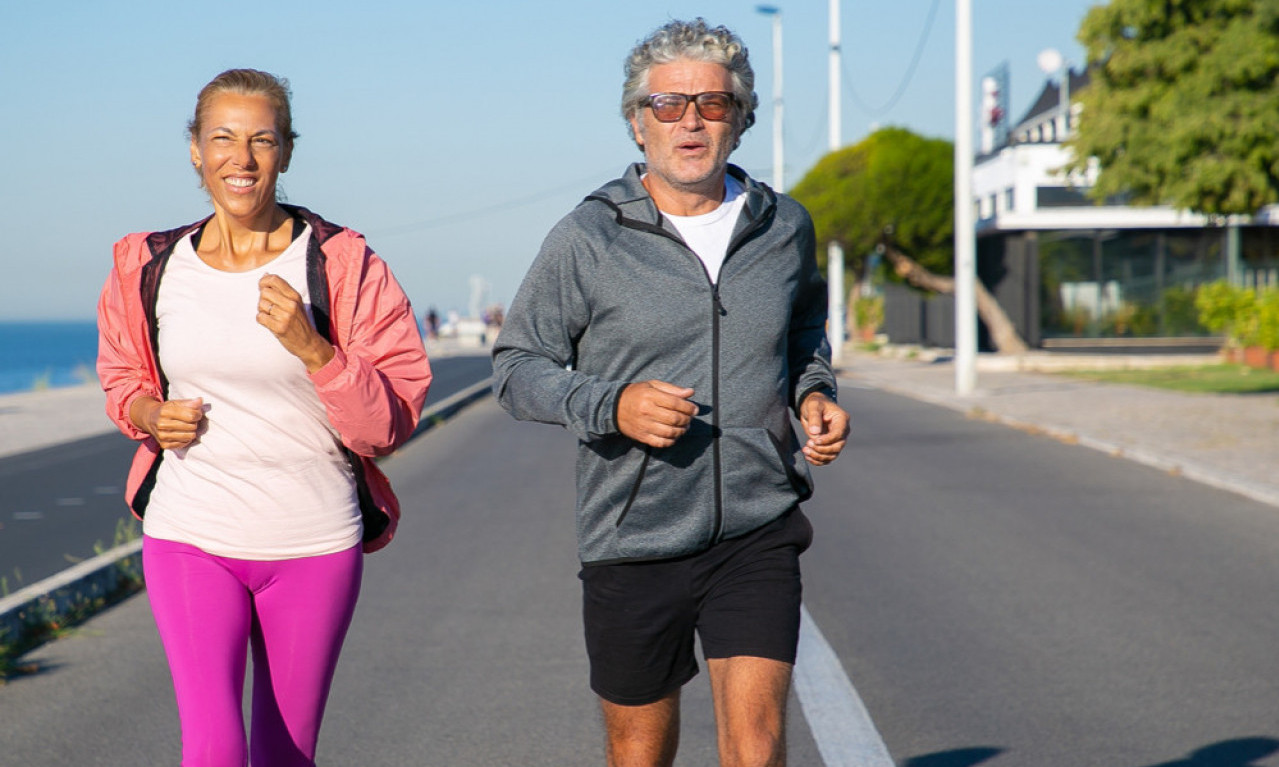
point(634, 205)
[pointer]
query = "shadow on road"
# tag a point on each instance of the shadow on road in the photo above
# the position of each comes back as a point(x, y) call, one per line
point(12, 670)
point(1241, 752)
point(961, 757)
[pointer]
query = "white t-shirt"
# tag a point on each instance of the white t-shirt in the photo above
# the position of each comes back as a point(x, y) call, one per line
point(266, 479)
point(709, 234)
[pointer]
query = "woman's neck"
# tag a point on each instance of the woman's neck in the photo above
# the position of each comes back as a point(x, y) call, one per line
point(230, 245)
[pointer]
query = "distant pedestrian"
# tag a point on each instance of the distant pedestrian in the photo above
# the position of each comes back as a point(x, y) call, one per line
point(262, 356)
point(432, 324)
point(670, 322)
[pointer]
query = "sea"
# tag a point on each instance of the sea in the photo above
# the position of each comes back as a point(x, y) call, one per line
point(44, 355)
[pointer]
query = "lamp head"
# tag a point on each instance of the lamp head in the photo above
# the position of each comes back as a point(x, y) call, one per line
point(1049, 60)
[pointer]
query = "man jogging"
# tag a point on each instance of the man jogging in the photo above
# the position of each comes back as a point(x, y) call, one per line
point(673, 322)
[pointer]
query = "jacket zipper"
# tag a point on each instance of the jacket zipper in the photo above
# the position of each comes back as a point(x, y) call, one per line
point(717, 311)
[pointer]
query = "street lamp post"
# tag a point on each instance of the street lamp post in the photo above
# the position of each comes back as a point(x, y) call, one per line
point(1051, 61)
point(834, 251)
point(779, 181)
point(965, 236)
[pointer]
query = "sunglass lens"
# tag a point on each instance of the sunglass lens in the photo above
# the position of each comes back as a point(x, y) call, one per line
point(668, 107)
point(713, 106)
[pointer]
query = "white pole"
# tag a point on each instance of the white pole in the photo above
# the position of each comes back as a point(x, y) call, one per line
point(779, 180)
point(965, 239)
point(834, 251)
point(833, 93)
point(1064, 92)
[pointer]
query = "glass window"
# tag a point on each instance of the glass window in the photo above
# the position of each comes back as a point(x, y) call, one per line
point(1126, 283)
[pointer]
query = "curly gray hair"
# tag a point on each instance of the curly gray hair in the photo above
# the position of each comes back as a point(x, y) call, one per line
point(690, 41)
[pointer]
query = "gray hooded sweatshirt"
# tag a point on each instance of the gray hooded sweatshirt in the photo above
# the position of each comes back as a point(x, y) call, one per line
point(615, 297)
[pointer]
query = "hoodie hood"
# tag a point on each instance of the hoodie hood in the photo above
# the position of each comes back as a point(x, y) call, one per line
point(634, 206)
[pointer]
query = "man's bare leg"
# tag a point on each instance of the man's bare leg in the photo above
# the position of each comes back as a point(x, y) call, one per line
point(750, 710)
point(642, 736)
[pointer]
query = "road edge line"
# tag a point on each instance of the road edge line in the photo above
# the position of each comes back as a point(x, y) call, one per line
point(839, 721)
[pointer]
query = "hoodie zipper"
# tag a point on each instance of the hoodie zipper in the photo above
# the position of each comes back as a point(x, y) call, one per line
point(717, 311)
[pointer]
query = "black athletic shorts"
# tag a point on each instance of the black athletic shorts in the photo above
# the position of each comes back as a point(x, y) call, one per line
point(741, 597)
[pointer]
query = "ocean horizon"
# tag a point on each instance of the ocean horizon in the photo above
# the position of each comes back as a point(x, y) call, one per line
point(47, 354)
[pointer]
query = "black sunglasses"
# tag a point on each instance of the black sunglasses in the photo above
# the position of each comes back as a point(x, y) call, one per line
point(711, 105)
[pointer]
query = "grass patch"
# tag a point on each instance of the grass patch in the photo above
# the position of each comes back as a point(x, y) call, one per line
point(1203, 379)
point(51, 617)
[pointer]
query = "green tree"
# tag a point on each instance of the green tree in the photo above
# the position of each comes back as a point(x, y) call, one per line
point(894, 178)
point(896, 189)
point(1183, 103)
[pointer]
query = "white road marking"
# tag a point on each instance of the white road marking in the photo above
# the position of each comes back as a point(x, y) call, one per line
point(28, 515)
point(845, 735)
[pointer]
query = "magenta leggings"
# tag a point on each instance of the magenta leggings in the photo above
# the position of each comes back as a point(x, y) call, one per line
point(294, 613)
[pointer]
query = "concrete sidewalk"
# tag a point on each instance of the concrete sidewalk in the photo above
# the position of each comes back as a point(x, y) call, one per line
point(38, 419)
point(1229, 441)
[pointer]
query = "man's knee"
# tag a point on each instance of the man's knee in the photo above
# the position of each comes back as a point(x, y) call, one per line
point(757, 747)
point(753, 735)
point(750, 705)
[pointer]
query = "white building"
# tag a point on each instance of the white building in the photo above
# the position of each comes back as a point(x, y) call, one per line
point(1071, 272)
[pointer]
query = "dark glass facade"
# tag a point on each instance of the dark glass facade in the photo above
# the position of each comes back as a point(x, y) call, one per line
point(1141, 283)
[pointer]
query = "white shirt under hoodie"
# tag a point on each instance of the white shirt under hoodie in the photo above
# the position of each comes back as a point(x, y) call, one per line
point(708, 235)
point(266, 478)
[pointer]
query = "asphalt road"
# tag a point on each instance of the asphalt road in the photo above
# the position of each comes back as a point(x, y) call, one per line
point(1003, 599)
point(61, 505)
point(997, 599)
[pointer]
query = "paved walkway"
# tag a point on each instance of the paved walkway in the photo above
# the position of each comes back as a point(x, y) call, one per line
point(38, 419)
point(1229, 441)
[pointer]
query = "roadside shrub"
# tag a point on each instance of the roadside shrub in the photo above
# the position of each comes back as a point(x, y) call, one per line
point(1181, 317)
point(1267, 325)
point(1229, 309)
point(869, 312)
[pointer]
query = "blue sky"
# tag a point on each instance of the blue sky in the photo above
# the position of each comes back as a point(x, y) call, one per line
point(453, 135)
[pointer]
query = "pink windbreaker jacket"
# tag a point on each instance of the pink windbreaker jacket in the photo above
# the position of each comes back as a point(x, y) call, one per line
point(372, 390)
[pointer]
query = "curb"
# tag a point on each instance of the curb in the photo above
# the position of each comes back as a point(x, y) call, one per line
point(28, 615)
point(1196, 472)
point(450, 406)
point(1216, 478)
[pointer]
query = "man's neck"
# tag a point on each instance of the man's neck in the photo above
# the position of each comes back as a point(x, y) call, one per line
point(686, 201)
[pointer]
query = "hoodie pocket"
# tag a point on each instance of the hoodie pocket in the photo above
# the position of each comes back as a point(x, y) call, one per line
point(761, 479)
point(670, 508)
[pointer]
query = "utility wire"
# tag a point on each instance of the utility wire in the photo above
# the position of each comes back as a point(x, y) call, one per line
point(905, 83)
point(501, 207)
point(819, 128)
